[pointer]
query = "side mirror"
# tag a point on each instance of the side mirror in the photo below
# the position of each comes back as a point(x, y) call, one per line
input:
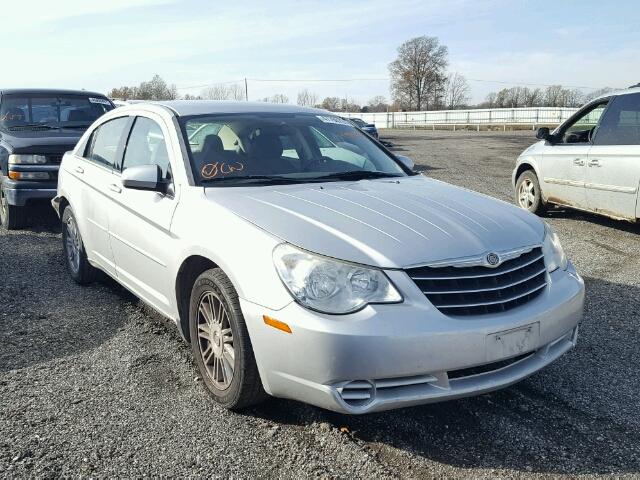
point(143, 177)
point(543, 133)
point(406, 161)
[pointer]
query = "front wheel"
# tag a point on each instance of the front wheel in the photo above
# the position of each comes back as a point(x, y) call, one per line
point(220, 342)
point(528, 193)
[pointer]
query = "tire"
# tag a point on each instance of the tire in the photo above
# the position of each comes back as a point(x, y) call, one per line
point(74, 252)
point(12, 217)
point(220, 343)
point(528, 194)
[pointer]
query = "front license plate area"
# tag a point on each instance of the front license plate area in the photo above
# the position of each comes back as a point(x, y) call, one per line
point(511, 343)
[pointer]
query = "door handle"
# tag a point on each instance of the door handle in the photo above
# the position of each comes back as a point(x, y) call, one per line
point(115, 188)
point(79, 169)
point(594, 163)
point(578, 162)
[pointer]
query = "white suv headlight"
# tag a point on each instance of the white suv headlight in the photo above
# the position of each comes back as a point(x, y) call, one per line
point(331, 286)
point(27, 159)
point(554, 255)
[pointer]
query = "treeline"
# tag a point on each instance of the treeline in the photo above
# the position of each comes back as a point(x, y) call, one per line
point(551, 96)
point(453, 93)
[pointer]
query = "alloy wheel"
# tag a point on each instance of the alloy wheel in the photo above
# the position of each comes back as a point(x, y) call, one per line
point(72, 244)
point(215, 338)
point(526, 194)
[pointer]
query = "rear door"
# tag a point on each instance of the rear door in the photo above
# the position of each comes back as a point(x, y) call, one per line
point(139, 221)
point(613, 166)
point(95, 173)
point(564, 163)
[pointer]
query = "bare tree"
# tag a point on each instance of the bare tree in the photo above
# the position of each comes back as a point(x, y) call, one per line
point(596, 93)
point(378, 104)
point(532, 97)
point(456, 91)
point(418, 73)
point(221, 91)
point(331, 103)
point(307, 98)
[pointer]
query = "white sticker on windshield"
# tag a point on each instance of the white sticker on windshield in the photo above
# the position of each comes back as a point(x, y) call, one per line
point(103, 101)
point(338, 120)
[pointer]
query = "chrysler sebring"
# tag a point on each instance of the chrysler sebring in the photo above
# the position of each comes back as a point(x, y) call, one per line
point(302, 259)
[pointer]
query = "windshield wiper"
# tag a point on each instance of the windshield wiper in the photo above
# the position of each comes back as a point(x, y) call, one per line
point(84, 125)
point(253, 179)
point(33, 125)
point(357, 175)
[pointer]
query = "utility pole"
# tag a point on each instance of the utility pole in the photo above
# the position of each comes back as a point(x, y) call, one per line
point(246, 90)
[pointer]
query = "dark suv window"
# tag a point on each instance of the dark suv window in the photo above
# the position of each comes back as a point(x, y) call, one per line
point(105, 142)
point(621, 123)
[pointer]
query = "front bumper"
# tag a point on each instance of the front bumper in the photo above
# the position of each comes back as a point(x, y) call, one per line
point(392, 356)
point(20, 192)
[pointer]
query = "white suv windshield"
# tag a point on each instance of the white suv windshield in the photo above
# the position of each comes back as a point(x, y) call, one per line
point(295, 147)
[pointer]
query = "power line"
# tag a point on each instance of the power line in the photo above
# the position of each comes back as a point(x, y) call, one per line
point(345, 80)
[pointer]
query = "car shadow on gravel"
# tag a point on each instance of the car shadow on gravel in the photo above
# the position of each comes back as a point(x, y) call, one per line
point(566, 419)
point(568, 213)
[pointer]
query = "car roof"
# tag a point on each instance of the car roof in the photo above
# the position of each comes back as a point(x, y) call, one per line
point(627, 91)
point(47, 91)
point(204, 107)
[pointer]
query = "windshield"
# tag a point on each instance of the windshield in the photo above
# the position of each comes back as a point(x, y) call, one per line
point(295, 147)
point(58, 111)
point(359, 122)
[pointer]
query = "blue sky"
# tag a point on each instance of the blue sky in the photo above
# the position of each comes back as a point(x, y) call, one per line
point(99, 45)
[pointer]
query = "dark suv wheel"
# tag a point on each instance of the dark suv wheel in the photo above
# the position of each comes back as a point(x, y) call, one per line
point(11, 217)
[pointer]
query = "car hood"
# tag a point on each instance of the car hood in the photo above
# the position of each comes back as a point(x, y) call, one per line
point(47, 141)
point(386, 223)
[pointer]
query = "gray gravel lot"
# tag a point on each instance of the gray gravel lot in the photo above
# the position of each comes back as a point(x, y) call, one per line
point(93, 384)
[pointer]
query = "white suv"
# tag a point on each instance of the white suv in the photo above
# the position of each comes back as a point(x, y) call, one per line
point(591, 162)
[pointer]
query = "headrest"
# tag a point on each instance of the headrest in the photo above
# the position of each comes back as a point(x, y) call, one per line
point(266, 145)
point(212, 144)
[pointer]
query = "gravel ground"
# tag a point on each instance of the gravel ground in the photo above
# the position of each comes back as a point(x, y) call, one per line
point(93, 384)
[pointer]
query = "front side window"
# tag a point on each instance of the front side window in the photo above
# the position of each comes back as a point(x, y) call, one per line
point(296, 147)
point(147, 146)
point(53, 111)
point(621, 123)
point(581, 129)
point(105, 142)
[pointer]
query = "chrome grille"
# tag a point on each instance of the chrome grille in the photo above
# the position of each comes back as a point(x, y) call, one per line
point(477, 290)
point(55, 158)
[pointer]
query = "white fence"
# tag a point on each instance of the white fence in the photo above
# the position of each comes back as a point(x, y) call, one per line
point(501, 117)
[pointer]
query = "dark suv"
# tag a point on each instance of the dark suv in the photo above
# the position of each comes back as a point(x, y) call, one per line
point(36, 127)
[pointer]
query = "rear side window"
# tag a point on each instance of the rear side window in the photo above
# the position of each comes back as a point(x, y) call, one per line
point(105, 141)
point(147, 146)
point(621, 122)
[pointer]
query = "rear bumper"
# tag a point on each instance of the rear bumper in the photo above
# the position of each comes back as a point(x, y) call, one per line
point(407, 354)
point(21, 192)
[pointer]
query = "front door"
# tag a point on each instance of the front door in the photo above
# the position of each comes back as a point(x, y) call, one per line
point(613, 166)
point(139, 221)
point(564, 161)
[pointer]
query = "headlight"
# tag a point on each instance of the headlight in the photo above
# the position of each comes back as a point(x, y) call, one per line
point(27, 159)
point(554, 255)
point(331, 286)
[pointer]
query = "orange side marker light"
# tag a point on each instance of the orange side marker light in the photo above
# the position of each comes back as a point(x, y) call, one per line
point(272, 322)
